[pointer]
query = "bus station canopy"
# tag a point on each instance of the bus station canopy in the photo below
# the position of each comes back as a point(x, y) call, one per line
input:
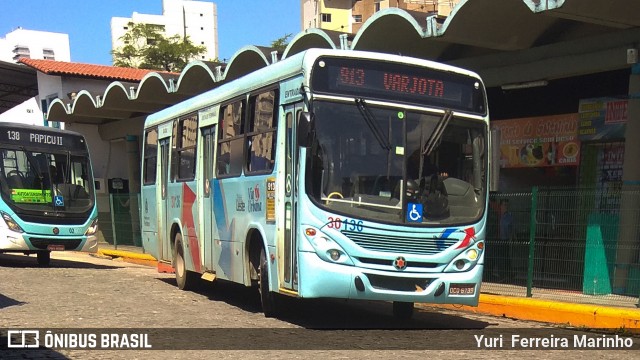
point(18, 83)
point(507, 41)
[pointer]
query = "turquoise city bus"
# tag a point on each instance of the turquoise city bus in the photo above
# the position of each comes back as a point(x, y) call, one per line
point(48, 199)
point(331, 174)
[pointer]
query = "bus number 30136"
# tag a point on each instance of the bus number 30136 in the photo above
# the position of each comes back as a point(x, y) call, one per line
point(349, 224)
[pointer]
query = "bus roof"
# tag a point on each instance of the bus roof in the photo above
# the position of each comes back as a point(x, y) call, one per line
point(312, 54)
point(280, 71)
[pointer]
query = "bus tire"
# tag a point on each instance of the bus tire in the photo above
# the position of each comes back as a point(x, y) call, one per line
point(267, 298)
point(186, 279)
point(402, 310)
point(44, 258)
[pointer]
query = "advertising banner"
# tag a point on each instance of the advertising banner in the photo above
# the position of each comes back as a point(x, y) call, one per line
point(539, 141)
point(602, 119)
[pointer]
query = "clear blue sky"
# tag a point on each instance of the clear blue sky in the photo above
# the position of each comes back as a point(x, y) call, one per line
point(240, 22)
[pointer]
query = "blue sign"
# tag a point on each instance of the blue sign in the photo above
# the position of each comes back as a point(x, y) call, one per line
point(58, 200)
point(414, 212)
point(602, 118)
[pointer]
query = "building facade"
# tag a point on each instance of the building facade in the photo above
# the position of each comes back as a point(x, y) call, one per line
point(197, 20)
point(349, 15)
point(32, 44)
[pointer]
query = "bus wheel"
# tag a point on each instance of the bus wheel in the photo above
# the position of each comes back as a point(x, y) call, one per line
point(267, 298)
point(44, 258)
point(402, 310)
point(186, 279)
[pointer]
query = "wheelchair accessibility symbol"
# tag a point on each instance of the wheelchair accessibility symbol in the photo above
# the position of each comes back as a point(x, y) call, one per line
point(414, 212)
point(58, 200)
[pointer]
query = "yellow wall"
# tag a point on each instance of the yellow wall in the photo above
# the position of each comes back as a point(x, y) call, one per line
point(340, 11)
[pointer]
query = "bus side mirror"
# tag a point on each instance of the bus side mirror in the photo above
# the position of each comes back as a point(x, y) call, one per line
point(306, 129)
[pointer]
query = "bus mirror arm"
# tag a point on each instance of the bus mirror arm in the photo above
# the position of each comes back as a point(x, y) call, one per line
point(306, 129)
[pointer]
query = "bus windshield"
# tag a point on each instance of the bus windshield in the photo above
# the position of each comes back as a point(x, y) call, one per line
point(35, 180)
point(397, 166)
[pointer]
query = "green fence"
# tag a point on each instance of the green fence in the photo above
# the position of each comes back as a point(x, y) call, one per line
point(573, 244)
point(580, 245)
point(119, 220)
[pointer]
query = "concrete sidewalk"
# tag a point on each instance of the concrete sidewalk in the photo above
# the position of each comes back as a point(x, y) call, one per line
point(593, 316)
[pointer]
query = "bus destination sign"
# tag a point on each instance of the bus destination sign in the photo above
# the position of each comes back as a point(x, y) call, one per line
point(49, 139)
point(398, 82)
point(393, 82)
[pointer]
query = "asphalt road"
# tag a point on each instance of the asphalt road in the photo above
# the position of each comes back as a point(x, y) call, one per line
point(84, 297)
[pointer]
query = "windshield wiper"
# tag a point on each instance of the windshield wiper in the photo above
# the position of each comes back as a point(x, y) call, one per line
point(434, 140)
point(67, 170)
point(36, 168)
point(370, 119)
point(33, 165)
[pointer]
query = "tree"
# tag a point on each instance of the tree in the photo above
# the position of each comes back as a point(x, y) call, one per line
point(280, 44)
point(146, 47)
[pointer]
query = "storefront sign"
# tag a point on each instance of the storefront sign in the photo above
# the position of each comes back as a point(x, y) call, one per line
point(602, 119)
point(539, 141)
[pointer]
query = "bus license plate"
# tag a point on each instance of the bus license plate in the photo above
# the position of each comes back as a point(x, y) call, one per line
point(55, 247)
point(462, 289)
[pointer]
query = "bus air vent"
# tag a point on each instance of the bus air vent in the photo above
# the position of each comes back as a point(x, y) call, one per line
point(386, 262)
point(400, 244)
point(393, 283)
point(42, 243)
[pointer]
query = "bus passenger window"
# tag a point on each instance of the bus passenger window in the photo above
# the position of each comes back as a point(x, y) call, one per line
point(150, 157)
point(261, 136)
point(231, 140)
point(224, 159)
point(261, 152)
point(186, 148)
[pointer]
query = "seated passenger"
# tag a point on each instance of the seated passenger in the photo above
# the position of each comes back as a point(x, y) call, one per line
point(15, 181)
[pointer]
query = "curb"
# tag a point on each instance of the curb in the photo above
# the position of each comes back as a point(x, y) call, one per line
point(141, 259)
point(555, 312)
point(570, 314)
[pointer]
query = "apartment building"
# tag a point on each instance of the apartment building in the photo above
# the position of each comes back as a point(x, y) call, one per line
point(349, 15)
point(32, 44)
point(196, 19)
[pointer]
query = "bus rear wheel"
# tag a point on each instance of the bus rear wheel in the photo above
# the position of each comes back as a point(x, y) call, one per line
point(402, 310)
point(44, 258)
point(267, 298)
point(186, 279)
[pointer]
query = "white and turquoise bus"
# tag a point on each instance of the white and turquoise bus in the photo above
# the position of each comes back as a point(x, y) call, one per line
point(48, 199)
point(331, 174)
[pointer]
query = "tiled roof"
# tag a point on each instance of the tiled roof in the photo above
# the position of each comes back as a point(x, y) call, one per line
point(51, 67)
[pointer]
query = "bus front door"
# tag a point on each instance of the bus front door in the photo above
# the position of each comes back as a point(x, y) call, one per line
point(206, 176)
point(292, 112)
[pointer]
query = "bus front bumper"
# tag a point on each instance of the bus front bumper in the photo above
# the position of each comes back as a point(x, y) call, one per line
point(90, 244)
point(11, 241)
point(321, 279)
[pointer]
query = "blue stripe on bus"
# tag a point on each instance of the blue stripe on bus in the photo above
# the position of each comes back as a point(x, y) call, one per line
point(225, 230)
point(220, 212)
point(445, 235)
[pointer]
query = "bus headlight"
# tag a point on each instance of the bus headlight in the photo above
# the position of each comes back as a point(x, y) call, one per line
point(11, 224)
point(334, 254)
point(467, 259)
point(326, 248)
point(93, 228)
